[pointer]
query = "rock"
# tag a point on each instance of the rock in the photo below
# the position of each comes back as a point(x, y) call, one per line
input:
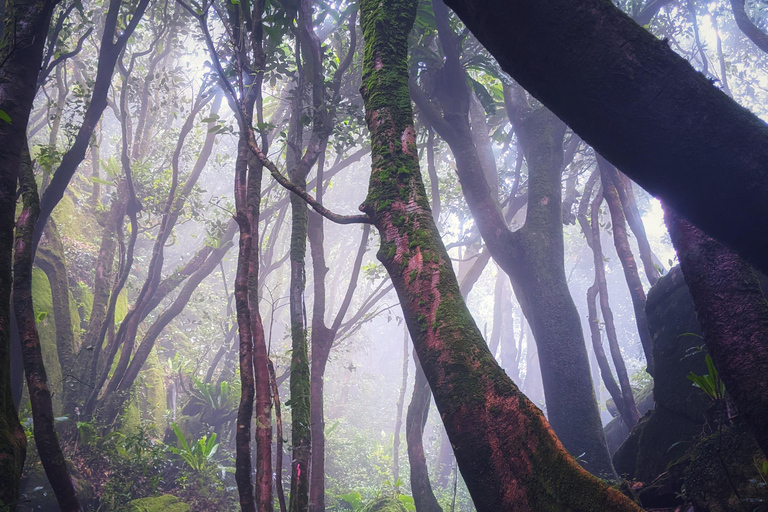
point(678, 415)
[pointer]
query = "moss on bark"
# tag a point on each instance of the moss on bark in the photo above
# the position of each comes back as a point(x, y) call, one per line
point(506, 450)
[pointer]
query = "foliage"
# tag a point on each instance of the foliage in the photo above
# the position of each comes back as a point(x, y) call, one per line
point(199, 456)
point(709, 383)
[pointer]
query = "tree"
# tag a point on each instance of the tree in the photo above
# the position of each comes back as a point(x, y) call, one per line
point(533, 256)
point(508, 454)
point(677, 134)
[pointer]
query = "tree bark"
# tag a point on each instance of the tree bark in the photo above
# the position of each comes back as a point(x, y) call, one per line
point(399, 414)
point(52, 261)
point(508, 454)
point(609, 178)
point(677, 132)
point(746, 25)
point(533, 257)
point(623, 397)
point(733, 315)
point(25, 26)
point(37, 382)
point(635, 222)
point(416, 418)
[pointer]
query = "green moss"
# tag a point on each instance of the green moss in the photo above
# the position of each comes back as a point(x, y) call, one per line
point(164, 503)
point(121, 307)
point(46, 329)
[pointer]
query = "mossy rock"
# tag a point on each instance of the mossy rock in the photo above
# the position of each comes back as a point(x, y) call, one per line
point(164, 503)
point(384, 504)
point(722, 472)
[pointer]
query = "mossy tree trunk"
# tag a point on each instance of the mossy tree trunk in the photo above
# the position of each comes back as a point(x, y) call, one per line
point(506, 450)
point(733, 314)
point(677, 131)
point(25, 25)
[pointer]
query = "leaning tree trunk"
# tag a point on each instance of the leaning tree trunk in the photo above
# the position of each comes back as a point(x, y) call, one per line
point(677, 132)
point(733, 315)
point(507, 452)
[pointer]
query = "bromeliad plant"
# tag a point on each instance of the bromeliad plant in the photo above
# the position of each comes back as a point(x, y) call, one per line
point(199, 456)
point(710, 383)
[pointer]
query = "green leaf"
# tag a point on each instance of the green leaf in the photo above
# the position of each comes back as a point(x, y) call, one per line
point(489, 104)
point(5, 117)
point(100, 181)
point(354, 499)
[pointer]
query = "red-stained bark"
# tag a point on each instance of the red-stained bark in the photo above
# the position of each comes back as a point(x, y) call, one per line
point(733, 314)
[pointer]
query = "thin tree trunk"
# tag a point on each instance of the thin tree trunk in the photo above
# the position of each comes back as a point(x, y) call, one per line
point(635, 222)
point(418, 409)
point(733, 315)
point(610, 179)
point(37, 382)
point(624, 398)
point(746, 25)
point(280, 440)
point(112, 45)
point(52, 261)
point(508, 454)
point(399, 413)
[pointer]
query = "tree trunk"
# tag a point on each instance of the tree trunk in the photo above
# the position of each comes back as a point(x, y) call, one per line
point(746, 25)
point(558, 50)
point(533, 257)
point(635, 222)
point(623, 397)
point(733, 315)
point(609, 177)
point(37, 382)
point(399, 414)
point(25, 25)
point(52, 261)
point(508, 454)
point(416, 418)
